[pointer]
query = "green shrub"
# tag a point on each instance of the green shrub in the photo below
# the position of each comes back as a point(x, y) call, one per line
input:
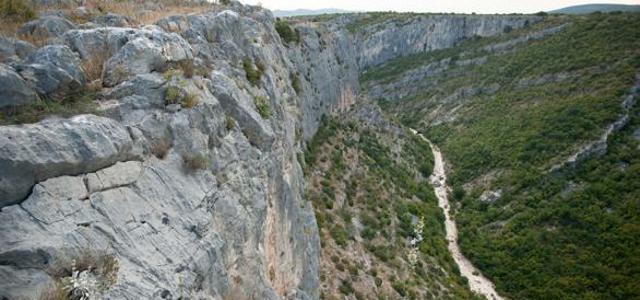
point(346, 288)
point(230, 123)
point(252, 72)
point(285, 32)
point(339, 235)
point(176, 95)
point(172, 95)
point(263, 106)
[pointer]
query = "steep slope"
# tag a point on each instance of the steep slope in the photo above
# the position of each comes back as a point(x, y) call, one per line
point(523, 119)
point(381, 229)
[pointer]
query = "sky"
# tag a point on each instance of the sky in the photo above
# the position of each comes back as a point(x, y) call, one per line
point(457, 6)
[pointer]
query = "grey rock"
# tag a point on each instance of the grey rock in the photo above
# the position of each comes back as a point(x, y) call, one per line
point(490, 196)
point(152, 50)
point(14, 280)
point(113, 20)
point(120, 174)
point(399, 37)
point(15, 91)
point(47, 27)
point(33, 153)
point(240, 107)
point(14, 49)
point(54, 71)
point(99, 42)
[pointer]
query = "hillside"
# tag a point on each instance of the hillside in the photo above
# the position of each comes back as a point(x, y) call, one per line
point(591, 8)
point(524, 120)
point(367, 180)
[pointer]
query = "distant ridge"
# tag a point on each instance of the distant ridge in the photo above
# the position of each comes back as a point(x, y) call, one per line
point(590, 8)
point(308, 12)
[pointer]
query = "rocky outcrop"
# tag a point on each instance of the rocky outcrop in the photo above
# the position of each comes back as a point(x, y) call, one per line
point(145, 52)
point(58, 147)
point(599, 146)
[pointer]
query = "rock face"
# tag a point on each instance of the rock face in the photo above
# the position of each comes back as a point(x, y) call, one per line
point(54, 71)
point(15, 90)
point(198, 197)
point(395, 37)
point(57, 147)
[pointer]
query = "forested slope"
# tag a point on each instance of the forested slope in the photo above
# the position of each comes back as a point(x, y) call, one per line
point(367, 180)
point(540, 130)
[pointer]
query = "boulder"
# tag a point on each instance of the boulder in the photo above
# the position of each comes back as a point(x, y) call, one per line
point(54, 71)
point(21, 284)
point(46, 27)
point(14, 49)
point(113, 20)
point(32, 153)
point(15, 91)
point(99, 41)
point(151, 50)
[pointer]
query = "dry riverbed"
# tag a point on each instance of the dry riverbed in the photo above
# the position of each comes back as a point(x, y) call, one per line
point(477, 282)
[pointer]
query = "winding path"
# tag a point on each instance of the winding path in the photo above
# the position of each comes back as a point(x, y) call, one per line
point(477, 282)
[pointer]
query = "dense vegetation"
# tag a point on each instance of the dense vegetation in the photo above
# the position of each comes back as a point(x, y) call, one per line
point(369, 190)
point(504, 120)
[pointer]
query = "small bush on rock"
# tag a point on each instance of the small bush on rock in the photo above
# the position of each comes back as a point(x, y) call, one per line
point(253, 73)
point(160, 148)
point(295, 83)
point(285, 32)
point(172, 95)
point(231, 123)
point(190, 100)
point(85, 277)
point(262, 104)
point(194, 162)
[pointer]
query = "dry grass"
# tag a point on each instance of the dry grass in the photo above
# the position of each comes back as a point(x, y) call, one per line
point(160, 148)
point(9, 25)
point(55, 291)
point(190, 101)
point(132, 9)
point(194, 162)
point(94, 66)
point(101, 264)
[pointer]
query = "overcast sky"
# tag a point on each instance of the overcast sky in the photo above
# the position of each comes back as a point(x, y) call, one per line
point(459, 6)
